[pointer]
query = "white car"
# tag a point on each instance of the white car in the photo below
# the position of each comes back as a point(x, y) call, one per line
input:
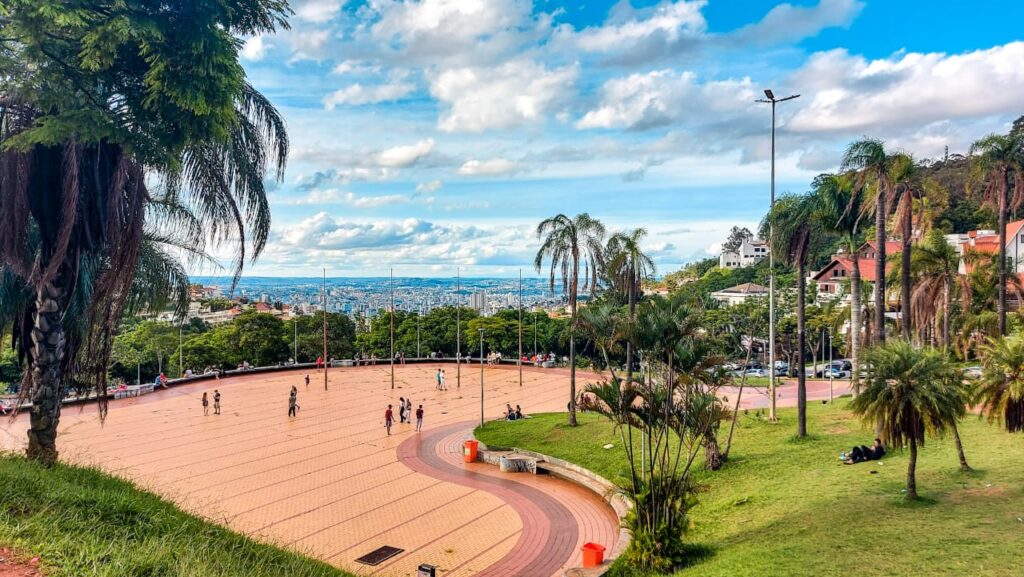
point(756, 373)
point(973, 372)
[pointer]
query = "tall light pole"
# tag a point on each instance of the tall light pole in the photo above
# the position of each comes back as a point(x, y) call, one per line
point(830, 376)
point(481, 377)
point(181, 351)
point(418, 315)
point(458, 327)
point(770, 98)
point(295, 337)
point(520, 361)
point(325, 329)
point(392, 328)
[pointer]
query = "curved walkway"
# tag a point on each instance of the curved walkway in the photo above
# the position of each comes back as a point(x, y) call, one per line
point(548, 541)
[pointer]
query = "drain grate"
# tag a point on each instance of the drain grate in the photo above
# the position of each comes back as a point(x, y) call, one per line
point(380, 555)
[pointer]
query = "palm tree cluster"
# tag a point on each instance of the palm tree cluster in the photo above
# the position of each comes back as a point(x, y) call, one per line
point(126, 138)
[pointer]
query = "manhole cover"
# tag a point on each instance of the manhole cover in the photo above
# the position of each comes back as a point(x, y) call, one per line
point(378, 556)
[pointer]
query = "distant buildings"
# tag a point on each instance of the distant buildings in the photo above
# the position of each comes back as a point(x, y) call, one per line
point(749, 253)
point(478, 302)
point(735, 295)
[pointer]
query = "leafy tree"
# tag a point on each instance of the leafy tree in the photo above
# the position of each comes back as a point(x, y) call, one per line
point(308, 331)
point(997, 160)
point(149, 344)
point(1001, 393)
point(259, 338)
point(737, 236)
point(98, 99)
point(568, 243)
point(911, 392)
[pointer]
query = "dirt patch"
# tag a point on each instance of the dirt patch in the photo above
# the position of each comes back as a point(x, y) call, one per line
point(14, 565)
point(971, 493)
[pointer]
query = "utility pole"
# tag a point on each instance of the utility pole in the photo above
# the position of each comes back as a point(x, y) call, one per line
point(770, 98)
point(181, 352)
point(830, 377)
point(418, 315)
point(295, 327)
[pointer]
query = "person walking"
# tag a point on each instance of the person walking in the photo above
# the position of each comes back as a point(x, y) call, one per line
point(389, 417)
point(408, 409)
point(216, 402)
point(401, 410)
point(419, 419)
point(444, 384)
point(206, 404)
point(293, 402)
point(307, 380)
point(438, 375)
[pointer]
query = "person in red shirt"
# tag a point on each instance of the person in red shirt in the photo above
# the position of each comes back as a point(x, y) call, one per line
point(389, 418)
point(319, 362)
point(419, 419)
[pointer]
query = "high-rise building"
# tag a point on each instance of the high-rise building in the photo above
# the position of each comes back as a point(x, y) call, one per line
point(478, 301)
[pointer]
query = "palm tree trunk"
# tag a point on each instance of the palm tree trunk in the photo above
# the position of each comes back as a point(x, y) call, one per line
point(947, 309)
point(629, 344)
point(801, 389)
point(48, 348)
point(572, 374)
point(905, 266)
point(1002, 253)
point(855, 322)
point(881, 217)
point(912, 469)
point(964, 467)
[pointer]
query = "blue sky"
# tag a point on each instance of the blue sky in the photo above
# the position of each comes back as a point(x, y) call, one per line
point(431, 134)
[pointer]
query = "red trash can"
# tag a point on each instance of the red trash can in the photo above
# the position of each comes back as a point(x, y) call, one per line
point(469, 450)
point(593, 554)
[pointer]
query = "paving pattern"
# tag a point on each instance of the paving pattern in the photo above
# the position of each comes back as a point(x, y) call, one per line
point(331, 483)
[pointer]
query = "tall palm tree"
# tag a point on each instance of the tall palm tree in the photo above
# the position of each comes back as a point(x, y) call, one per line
point(869, 161)
point(627, 265)
point(842, 210)
point(911, 392)
point(904, 180)
point(933, 265)
point(86, 125)
point(1001, 394)
point(979, 293)
point(997, 160)
point(792, 221)
point(568, 243)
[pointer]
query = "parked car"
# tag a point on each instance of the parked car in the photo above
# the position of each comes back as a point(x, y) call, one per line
point(836, 373)
point(756, 373)
point(823, 372)
point(973, 372)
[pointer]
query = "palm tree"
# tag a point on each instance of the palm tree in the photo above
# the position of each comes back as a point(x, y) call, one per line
point(1001, 394)
point(842, 210)
point(569, 242)
point(903, 178)
point(979, 292)
point(997, 159)
point(869, 161)
point(911, 392)
point(934, 264)
point(77, 158)
point(627, 265)
point(792, 221)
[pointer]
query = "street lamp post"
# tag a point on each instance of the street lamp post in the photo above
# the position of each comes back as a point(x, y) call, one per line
point(830, 377)
point(392, 328)
point(770, 98)
point(458, 328)
point(520, 361)
point(181, 352)
point(481, 377)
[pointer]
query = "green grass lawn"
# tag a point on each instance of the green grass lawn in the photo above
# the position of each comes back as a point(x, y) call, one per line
point(83, 523)
point(786, 507)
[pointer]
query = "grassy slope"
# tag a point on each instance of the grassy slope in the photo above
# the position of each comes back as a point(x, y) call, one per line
point(84, 523)
point(783, 507)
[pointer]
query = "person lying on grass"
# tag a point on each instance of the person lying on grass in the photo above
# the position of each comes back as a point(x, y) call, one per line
point(860, 454)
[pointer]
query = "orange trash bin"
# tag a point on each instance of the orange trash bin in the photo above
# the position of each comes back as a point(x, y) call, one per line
point(469, 450)
point(593, 554)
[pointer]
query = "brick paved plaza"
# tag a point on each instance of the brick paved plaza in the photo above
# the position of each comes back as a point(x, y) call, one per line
point(332, 484)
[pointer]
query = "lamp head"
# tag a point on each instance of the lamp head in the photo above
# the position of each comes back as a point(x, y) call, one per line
point(769, 94)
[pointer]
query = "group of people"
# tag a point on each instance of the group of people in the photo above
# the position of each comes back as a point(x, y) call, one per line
point(860, 454)
point(216, 403)
point(442, 384)
point(513, 414)
point(405, 414)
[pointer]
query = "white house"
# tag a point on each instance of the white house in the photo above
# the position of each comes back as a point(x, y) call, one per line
point(735, 295)
point(987, 241)
point(749, 253)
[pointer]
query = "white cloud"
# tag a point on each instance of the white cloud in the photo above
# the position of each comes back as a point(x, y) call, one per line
point(325, 232)
point(429, 187)
point(846, 94)
point(255, 49)
point(493, 167)
point(517, 92)
point(354, 67)
point(334, 196)
point(358, 94)
point(645, 30)
point(344, 176)
point(785, 22)
point(405, 156)
point(318, 11)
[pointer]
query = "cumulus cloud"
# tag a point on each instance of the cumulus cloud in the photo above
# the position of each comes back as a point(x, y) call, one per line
point(849, 94)
point(429, 187)
point(517, 92)
point(354, 67)
point(405, 156)
point(326, 232)
point(318, 11)
point(493, 167)
point(633, 35)
point(345, 176)
point(357, 94)
point(786, 23)
point(255, 49)
point(334, 196)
